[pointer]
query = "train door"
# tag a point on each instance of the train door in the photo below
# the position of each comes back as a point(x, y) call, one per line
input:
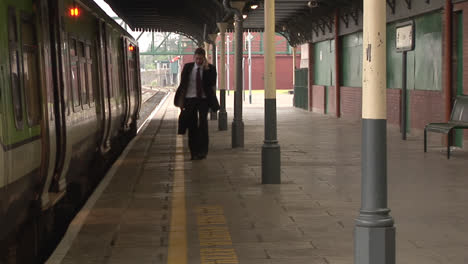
point(106, 78)
point(134, 83)
point(126, 49)
point(54, 99)
point(138, 82)
point(48, 124)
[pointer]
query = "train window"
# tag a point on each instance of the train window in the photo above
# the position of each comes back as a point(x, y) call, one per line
point(31, 79)
point(110, 66)
point(75, 93)
point(15, 68)
point(82, 73)
point(89, 73)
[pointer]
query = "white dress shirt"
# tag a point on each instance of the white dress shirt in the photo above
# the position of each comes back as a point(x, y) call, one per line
point(192, 85)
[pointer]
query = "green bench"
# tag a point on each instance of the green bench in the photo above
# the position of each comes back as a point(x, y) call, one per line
point(458, 120)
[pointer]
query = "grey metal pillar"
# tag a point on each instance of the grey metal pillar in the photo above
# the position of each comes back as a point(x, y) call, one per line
point(222, 120)
point(294, 66)
point(374, 231)
point(237, 123)
point(271, 156)
point(213, 115)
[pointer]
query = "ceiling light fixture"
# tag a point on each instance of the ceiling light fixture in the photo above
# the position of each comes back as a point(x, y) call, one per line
point(313, 3)
point(254, 6)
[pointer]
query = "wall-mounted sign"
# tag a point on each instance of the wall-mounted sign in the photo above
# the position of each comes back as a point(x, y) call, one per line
point(405, 36)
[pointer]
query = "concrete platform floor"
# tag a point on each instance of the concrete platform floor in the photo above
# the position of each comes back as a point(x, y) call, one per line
point(157, 206)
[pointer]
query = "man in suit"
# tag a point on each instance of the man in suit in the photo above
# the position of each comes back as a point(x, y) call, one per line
point(195, 95)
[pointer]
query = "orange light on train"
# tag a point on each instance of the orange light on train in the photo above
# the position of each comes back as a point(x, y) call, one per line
point(131, 48)
point(74, 12)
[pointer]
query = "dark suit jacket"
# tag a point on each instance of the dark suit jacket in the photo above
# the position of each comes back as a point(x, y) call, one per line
point(208, 82)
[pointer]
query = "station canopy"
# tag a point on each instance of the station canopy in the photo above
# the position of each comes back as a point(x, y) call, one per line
point(295, 19)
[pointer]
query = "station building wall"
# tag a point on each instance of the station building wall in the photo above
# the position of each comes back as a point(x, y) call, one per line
point(424, 75)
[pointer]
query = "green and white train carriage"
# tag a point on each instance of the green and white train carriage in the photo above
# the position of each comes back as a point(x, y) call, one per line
point(69, 100)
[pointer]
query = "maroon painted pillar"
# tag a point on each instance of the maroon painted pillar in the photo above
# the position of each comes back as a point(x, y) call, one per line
point(311, 77)
point(337, 64)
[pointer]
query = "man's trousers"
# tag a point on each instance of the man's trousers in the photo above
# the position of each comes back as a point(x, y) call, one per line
point(198, 126)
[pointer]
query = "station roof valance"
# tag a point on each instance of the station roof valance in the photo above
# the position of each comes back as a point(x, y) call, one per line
point(295, 19)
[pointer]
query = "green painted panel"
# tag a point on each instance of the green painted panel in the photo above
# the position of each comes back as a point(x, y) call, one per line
point(428, 52)
point(410, 66)
point(10, 134)
point(301, 96)
point(324, 64)
point(459, 55)
point(459, 52)
point(394, 60)
point(351, 62)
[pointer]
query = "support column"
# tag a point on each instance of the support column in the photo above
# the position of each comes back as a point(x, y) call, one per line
point(294, 66)
point(237, 123)
point(213, 115)
point(207, 49)
point(271, 156)
point(374, 231)
point(337, 65)
point(222, 121)
point(310, 75)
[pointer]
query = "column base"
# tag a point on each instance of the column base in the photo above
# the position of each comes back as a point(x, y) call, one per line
point(213, 115)
point(374, 245)
point(237, 134)
point(222, 121)
point(271, 163)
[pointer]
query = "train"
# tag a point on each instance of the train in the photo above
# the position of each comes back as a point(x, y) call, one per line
point(70, 95)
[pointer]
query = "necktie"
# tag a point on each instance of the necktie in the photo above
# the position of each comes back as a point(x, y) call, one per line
point(199, 83)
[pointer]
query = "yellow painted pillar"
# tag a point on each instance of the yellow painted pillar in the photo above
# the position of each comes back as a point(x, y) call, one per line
point(374, 231)
point(271, 156)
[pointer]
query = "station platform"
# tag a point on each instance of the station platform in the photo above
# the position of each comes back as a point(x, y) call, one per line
point(157, 206)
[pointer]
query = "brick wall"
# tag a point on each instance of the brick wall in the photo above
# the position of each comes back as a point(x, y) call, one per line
point(331, 100)
point(318, 98)
point(284, 71)
point(351, 102)
point(426, 107)
point(394, 106)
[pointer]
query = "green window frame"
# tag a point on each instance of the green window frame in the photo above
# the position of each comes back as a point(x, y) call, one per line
point(15, 68)
point(30, 70)
point(74, 75)
point(84, 94)
point(89, 55)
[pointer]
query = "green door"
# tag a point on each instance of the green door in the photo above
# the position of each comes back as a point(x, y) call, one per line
point(301, 95)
